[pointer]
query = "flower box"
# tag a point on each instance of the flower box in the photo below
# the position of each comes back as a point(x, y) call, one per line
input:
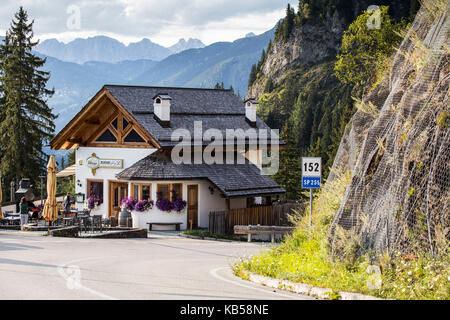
point(140, 219)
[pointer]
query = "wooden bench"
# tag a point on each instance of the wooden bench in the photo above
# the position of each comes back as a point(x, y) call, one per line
point(272, 230)
point(176, 224)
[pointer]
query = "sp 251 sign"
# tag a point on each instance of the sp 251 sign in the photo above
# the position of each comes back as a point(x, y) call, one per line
point(311, 172)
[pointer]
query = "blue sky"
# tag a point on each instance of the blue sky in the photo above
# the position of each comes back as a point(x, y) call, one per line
point(163, 22)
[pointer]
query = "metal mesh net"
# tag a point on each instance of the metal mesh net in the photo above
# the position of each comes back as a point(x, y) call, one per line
point(399, 151)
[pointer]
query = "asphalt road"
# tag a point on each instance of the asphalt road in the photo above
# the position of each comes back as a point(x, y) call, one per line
point(165, 267)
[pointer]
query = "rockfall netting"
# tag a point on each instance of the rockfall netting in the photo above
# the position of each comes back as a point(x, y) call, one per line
point(397, 147)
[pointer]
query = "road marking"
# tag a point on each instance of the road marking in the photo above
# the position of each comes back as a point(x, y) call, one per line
point(213, 272)
point(73, 280)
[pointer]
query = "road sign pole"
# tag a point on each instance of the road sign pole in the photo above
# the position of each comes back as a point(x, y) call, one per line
point(310, 206)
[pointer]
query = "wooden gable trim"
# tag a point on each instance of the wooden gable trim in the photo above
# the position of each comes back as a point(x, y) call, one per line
point(63, 139)
point(138, 127)
point(102, 129)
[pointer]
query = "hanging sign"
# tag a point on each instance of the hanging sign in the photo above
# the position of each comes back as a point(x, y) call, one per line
point(94, 162)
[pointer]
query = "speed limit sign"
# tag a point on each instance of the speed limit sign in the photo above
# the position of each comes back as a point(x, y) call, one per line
point(311, 172)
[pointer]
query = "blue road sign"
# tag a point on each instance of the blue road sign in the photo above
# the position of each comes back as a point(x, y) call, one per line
point(311, 182)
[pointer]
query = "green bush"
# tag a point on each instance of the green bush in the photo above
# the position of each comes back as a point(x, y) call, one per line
point(364, 52)
point(305, 257)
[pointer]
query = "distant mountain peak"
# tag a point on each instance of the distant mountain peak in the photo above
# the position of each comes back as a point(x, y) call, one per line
point(250, 34)
point(102, 48)
point(182, 45)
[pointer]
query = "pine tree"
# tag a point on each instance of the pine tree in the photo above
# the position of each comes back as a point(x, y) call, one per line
point(289, 173)
point(288, 23)
point(252, 77)
point(63, 165)
point(27, 121)
point(71, 158)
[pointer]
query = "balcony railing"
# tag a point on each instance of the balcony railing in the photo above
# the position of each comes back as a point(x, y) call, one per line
point(223, 222)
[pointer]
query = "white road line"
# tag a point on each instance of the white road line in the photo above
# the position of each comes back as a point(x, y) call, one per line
point(213, 272)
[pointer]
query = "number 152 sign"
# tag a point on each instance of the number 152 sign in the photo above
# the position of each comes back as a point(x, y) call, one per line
point(311, 172)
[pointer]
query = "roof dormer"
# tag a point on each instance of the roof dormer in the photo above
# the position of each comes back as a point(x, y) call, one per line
point(161, 108)
point(250, 111)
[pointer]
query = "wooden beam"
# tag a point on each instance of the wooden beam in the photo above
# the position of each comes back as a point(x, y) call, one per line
point(101, 128)
point(130, 118)
point(61, 138)
point(76, 140)
point(92, 121)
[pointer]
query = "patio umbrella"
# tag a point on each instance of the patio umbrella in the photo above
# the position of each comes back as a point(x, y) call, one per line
point(50, 212)
point(1, 214)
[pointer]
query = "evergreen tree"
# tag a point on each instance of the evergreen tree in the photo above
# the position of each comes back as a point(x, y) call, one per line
point(26, 121)
point(71, 158)
point(219, 85)
point(252, 76)
point(261, 60)
point(289, 173)
point(269, 85)
point(63, 165)
point(288, 23)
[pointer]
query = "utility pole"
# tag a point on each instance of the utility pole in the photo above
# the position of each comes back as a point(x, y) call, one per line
point(12, 191)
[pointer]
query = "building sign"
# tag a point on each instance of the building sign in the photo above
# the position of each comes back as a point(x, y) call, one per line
point(311, 172)
point(94, 162)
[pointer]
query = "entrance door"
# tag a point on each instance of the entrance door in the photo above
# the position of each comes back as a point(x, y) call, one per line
point(117, 191)
point(192, 206)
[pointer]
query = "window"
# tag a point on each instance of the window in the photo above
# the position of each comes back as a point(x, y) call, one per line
point(107, 136)
point(114, 123)
point(163, 191)
point(124, 124)
point(95, 188)
point(142, 191)
point(170, 191)
point(133, 136)
point(175, 191)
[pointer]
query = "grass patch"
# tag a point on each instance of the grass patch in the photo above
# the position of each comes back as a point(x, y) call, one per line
point(305, 257)
point(207, 234)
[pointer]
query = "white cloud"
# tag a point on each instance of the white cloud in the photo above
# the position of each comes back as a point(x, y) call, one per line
point(163, 22)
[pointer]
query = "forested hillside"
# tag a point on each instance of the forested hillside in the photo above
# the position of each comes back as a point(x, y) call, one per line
point(300, 79)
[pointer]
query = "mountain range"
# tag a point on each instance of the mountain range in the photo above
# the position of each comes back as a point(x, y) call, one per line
point(106, 49)
point(75, 83)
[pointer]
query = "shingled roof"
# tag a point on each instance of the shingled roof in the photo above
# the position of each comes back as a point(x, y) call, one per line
point(215, 108)
point(233, 180)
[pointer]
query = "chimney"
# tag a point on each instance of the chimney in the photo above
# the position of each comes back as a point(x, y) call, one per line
point(250, 111)
point(161, 107)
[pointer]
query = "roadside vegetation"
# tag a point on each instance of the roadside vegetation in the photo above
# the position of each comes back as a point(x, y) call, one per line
point(305, 257)
point(207, 234)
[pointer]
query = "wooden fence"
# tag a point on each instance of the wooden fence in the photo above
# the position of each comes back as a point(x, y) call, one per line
point(223, 222)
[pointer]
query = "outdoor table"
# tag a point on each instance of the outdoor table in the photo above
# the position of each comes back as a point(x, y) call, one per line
point(12, 220)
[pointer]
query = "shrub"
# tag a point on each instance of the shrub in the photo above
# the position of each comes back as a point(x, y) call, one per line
point(364, 53)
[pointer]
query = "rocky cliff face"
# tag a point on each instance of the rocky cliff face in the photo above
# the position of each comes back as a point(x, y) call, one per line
point(318, 39)
point(399, 153)
point(307, 44)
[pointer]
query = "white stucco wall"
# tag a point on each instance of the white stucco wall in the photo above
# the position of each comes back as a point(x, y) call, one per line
point(129, 156)
point(207, 202)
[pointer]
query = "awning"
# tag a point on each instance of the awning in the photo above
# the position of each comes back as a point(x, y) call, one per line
point(67, 172)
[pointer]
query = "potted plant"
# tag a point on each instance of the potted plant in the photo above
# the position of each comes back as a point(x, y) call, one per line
point(166, 205)
point(127, 205)
point(94, 201)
